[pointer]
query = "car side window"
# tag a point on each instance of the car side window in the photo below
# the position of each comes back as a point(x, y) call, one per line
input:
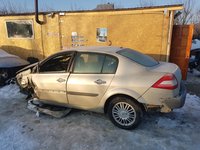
point(93, 63)
point(59, 63)
point(110, 65)
point(89, 63)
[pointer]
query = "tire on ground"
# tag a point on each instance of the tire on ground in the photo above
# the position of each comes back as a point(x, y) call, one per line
point(123, 118)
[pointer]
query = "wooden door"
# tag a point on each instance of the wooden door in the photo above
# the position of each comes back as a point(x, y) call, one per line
point(180, 47)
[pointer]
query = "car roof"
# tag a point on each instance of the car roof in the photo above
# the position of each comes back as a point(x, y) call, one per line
point(4, 54)
point(108, 49)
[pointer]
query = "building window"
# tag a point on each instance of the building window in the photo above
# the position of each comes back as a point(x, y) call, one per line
point(19, 29)
point(102, 34)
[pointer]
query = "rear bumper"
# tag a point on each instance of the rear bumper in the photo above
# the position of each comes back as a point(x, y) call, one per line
point(176, 102)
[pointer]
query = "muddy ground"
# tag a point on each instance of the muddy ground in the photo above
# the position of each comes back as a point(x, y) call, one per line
point(21, 129)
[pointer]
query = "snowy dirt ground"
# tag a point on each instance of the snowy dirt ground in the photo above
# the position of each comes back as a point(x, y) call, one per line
point(20, 129)
point(193, 82)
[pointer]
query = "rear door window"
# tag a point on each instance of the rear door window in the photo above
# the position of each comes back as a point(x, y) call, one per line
point(89, 63)
point(94, 63)
point(110, 65)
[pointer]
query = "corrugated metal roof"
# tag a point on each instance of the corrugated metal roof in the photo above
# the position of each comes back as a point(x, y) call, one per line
point(81, 11)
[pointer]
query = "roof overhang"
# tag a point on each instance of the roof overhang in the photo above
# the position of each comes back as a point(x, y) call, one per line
point(139, 9)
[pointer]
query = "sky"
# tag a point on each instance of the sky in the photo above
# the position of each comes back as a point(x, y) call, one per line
point(87, 4)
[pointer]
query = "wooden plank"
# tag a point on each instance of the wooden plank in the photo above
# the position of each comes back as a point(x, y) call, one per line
point(181, 45)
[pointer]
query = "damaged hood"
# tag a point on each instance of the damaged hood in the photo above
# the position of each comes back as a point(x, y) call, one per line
point(7, 60)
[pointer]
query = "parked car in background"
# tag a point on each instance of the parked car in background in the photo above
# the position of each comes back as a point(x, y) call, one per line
point(194, 62)
point(120, 82)
point(9, 65)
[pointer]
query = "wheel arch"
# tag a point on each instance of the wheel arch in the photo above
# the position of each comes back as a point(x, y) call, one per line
point(109, 99)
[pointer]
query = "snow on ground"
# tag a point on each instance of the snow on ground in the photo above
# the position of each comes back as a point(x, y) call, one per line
point(193, 82)
point(21, 129)
point(193, 77)
point(11, 92)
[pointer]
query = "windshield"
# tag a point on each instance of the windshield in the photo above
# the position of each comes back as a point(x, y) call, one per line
point(138, 57)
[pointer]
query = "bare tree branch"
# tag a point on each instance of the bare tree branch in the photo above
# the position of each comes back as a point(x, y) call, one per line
point(187, 13)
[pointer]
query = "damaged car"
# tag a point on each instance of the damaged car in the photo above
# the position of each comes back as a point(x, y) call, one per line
point(9, 65)
point(117, 81)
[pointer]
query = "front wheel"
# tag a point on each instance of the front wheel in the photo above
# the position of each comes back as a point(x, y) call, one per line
point(125, 113)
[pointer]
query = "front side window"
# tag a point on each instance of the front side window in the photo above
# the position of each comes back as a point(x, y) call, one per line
point(58, 63)
point(19, 28)
point(92, 63)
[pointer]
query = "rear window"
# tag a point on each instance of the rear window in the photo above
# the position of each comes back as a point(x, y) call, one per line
point(138, 57)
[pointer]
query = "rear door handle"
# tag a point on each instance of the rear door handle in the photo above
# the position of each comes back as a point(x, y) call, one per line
point(61, 80)
point(99, 81)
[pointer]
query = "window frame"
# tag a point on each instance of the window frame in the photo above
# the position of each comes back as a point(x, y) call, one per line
point(15, 20)
point(53, 56)
point(75, 58)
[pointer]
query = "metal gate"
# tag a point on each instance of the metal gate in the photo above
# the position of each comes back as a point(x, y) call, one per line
point(180, 47)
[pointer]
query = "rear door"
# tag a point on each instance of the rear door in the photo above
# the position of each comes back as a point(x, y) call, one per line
point(91, 76)
point(50, 81)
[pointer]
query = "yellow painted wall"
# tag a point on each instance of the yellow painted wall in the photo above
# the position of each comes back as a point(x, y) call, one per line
point(51, 35)
point(22, 47)
point(143, 30)
point(146, 32)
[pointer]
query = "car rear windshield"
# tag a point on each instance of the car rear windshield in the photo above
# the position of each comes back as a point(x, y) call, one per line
point(138, 57)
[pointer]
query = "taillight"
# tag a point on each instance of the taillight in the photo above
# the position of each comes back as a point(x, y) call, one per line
point(168, 81)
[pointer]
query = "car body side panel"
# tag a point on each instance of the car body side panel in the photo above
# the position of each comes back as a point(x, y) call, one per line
point(83, 92)
point(51, 87)
point(156, 96)
point(132, 80)
point(116, 91)
point(134, 77)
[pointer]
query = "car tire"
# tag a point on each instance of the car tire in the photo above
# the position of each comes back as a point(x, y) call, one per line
point(124, 112)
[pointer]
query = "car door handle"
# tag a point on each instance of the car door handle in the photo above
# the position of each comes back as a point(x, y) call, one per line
point(61, 80)
point(99, 81)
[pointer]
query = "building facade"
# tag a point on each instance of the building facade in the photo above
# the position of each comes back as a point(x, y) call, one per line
point(148, 30)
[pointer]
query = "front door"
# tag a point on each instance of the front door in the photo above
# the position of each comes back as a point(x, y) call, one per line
point(50, 82)
point(91, 77)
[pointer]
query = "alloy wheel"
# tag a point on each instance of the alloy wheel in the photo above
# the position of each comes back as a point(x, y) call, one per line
point(124, 114)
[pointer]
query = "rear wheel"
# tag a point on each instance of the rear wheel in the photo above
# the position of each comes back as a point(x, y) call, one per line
point(125, 113)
